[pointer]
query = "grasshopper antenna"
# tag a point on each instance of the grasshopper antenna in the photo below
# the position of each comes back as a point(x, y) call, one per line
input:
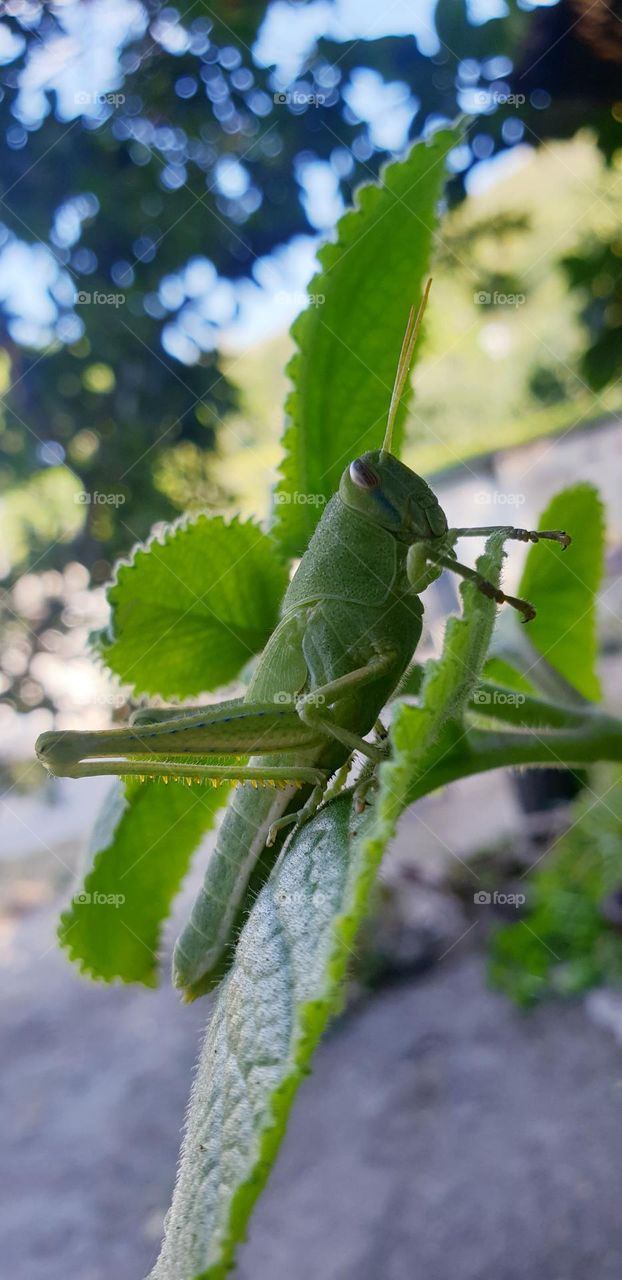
point(403, 365)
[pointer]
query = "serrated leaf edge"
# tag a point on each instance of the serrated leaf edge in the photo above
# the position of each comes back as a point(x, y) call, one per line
point(62, 931)
point(363, 199)
point(103, 640)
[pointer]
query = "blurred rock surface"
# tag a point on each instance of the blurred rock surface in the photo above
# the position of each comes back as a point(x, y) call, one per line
point(442, 1134)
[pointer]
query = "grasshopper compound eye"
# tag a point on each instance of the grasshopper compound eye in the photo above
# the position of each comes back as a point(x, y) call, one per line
point(362, 475)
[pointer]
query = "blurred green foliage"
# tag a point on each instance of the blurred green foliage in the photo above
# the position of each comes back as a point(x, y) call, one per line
point(571, 937)
point(595, 274)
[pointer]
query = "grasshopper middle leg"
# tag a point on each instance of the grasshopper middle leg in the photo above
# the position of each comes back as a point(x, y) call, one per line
point(311, 706)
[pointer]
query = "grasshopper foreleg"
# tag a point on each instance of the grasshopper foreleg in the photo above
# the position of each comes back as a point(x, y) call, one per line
point(519, 535)
point(487, 588)
point(448, 561)
point(422, 555)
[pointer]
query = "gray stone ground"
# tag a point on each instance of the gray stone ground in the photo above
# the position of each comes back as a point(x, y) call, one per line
point(442, 1135)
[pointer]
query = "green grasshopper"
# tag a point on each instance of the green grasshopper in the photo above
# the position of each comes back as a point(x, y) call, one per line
point(350, 623)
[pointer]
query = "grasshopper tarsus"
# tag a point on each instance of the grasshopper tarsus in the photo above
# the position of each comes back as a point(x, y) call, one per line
point(522, 606)
point(553, 535)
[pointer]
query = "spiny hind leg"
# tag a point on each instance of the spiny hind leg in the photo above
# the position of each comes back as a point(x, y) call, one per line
point(230, 731)
point(181, 771)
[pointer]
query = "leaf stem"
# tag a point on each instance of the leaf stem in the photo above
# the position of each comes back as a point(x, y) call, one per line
point(480, 750)
point(526, 711)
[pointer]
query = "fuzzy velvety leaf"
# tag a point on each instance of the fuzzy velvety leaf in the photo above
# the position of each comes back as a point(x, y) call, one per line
point(270, 1012)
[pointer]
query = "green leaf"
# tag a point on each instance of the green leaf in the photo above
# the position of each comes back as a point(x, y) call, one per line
point(190, 608)
point(563, 585)
point(502, 672)
point(140, 850)
point(349, 338)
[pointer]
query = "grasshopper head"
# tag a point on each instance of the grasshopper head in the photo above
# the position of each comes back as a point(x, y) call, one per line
point(389, 494)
